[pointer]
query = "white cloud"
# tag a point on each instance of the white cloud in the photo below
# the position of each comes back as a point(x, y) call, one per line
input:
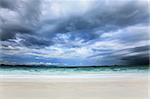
point(53, 21)
point(60, 9)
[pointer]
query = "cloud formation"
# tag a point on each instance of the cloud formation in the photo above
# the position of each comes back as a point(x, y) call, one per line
point(81, 32)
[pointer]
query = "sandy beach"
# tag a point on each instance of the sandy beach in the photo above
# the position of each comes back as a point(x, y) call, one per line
point(125, 86)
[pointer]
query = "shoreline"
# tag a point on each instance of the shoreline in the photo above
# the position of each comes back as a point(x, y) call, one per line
point(74, 75)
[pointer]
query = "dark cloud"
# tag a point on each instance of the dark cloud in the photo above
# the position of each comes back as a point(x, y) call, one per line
point(104, 18)
point(21, 17)
point(8, 4)
point(101, 18)
point(140, 49)
point(9, 31)
point(137, 59)
point(140, 58)
point(98, 18)
point(23, 23)
point(34, 42)
point(133, 56)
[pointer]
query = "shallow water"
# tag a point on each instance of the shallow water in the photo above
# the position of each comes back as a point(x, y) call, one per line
point(9, 70)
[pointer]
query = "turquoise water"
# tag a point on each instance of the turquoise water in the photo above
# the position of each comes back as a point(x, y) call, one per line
point(8, 70)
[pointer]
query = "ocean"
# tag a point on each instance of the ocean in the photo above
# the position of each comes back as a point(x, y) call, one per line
point(23, 70)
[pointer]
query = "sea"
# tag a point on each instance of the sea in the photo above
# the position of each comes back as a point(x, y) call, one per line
point(40, 70)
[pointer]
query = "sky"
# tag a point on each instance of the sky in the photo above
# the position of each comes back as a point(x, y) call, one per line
point(74, 32)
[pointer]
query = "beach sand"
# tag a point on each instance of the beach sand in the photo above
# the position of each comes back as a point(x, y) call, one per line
point(119, 86)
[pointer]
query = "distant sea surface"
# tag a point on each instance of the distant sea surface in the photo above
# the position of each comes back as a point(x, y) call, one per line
point(12, 70)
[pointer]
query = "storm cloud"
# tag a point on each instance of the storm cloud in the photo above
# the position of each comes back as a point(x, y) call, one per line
point(81, 32)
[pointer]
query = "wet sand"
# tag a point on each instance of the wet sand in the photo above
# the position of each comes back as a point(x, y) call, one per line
point(119, 86)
